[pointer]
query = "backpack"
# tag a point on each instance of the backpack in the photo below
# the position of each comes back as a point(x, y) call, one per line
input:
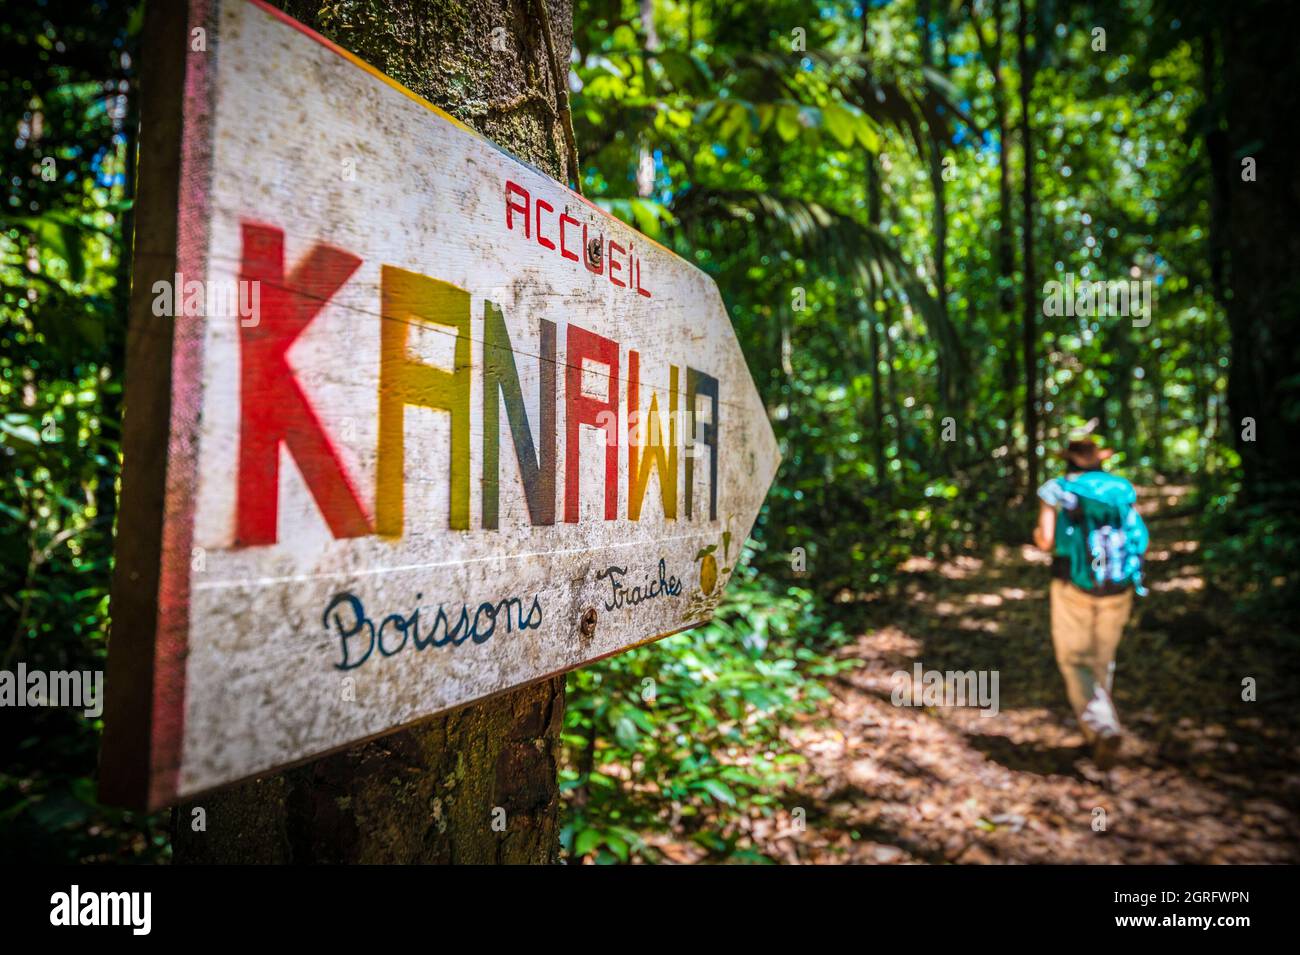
point(1100, 533)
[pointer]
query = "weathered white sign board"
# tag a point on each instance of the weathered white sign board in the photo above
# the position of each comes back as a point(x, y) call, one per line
point(409, 423)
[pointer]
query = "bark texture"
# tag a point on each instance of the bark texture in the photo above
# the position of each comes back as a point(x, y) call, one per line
point(1261, 74)
point(477, 785)
point(1028, 61)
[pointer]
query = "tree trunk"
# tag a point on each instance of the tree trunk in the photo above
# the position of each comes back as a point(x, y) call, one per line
point(1159, 406)
point(891, 389)
point(991, 51)
point(1216, 151)
point(1262, 85)
point(939, 249)
point(645, 167)
point(873, 334)
point(478, 784)
point(1029, 328)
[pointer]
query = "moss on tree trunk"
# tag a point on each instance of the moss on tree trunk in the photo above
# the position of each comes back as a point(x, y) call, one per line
point(478, 784)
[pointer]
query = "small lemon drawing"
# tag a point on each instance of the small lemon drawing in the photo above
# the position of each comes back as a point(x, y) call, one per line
point(708, 573)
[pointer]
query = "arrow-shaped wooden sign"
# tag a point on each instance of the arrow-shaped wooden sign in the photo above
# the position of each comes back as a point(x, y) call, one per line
point(408, 423)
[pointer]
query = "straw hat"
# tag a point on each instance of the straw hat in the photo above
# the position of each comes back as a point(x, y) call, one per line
point(1086, 455)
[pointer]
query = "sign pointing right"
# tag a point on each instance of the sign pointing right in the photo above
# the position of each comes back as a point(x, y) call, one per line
point(439, 427)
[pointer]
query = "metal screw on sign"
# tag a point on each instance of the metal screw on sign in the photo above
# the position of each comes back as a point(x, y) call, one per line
point(587, 626)
point(595, 253)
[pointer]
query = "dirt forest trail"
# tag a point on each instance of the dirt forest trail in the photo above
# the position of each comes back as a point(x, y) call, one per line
point(1204, 777)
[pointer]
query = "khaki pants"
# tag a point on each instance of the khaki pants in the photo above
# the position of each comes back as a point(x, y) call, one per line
point(1086, 631)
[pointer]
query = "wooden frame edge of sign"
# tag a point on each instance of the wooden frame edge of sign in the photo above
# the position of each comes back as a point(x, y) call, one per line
point(145, 683)
point(411, 724)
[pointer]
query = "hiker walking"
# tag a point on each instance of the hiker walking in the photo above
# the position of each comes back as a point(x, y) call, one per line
point(1088, 522)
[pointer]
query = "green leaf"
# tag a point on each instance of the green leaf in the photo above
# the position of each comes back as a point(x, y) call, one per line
point(719, 791)
point(787, 123)
point(841, 124)
point(587, 840)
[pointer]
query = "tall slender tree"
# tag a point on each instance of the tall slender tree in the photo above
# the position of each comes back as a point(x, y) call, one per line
point(931, 25)
point(991, 50)
point(1028, 63)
